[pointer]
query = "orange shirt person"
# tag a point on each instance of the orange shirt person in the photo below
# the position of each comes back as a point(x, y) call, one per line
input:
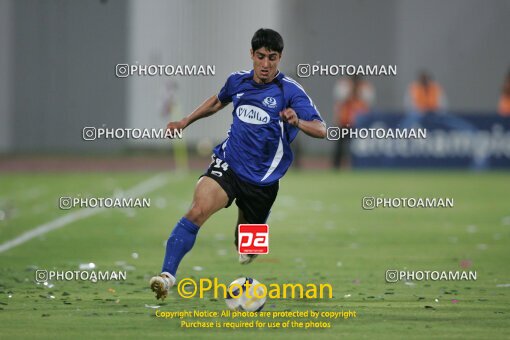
point(349, 110)
point(353, 97)
point(425, 95)
point(504, 99)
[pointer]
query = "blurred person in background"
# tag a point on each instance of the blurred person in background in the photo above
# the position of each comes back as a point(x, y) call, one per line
point(426, 105)
point(424, 99)
point(425, 95)
point(504, 99)
point(171, 109)
point(353, 96)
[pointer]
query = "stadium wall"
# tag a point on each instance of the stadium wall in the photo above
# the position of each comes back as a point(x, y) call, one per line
point(58, 67)
point(464, 43)
point(63, 79)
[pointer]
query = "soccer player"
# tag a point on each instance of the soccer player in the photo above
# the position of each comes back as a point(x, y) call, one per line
point(269, 110)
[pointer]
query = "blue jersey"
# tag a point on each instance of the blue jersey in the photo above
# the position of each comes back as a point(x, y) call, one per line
point(257, 147)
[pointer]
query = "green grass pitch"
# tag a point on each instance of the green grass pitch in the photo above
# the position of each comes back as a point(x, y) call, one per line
point(318, 234)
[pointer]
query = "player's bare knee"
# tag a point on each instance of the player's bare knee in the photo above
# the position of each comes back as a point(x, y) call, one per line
point(196, 214)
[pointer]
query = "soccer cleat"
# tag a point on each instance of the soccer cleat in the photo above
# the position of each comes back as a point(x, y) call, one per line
point(246, 258)
point(161, 284)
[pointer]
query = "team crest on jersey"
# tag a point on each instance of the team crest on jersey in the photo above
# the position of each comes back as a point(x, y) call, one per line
point(270, 102)
point(252, 115)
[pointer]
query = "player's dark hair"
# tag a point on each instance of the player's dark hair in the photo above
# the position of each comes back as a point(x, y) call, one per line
point(268, 38)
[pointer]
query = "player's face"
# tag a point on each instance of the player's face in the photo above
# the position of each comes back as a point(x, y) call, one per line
point(265, 64)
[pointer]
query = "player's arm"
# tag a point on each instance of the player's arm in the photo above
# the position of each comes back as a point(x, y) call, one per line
point(314, 128)
point(207, 108)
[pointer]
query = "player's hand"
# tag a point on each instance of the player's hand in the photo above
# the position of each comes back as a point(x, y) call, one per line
point(290, 116)
point(172, 126)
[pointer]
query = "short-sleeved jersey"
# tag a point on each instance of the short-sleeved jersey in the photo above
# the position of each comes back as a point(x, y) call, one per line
point(257, 147)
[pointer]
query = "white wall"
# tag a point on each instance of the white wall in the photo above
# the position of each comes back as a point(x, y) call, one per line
point(191, 32)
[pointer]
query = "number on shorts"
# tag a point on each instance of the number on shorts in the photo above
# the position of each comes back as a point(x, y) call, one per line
point(221, 164)
point(218, 164)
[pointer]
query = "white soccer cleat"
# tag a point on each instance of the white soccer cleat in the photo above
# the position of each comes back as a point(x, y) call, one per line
point(161, 284)
point(246, 258)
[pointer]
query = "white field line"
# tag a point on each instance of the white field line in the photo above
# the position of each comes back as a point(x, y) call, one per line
point(144, 187)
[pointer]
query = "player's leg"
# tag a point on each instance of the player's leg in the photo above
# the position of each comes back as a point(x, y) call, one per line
point(254, 204)
point(208, 198)
point(243, 258)
point(240, 220)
